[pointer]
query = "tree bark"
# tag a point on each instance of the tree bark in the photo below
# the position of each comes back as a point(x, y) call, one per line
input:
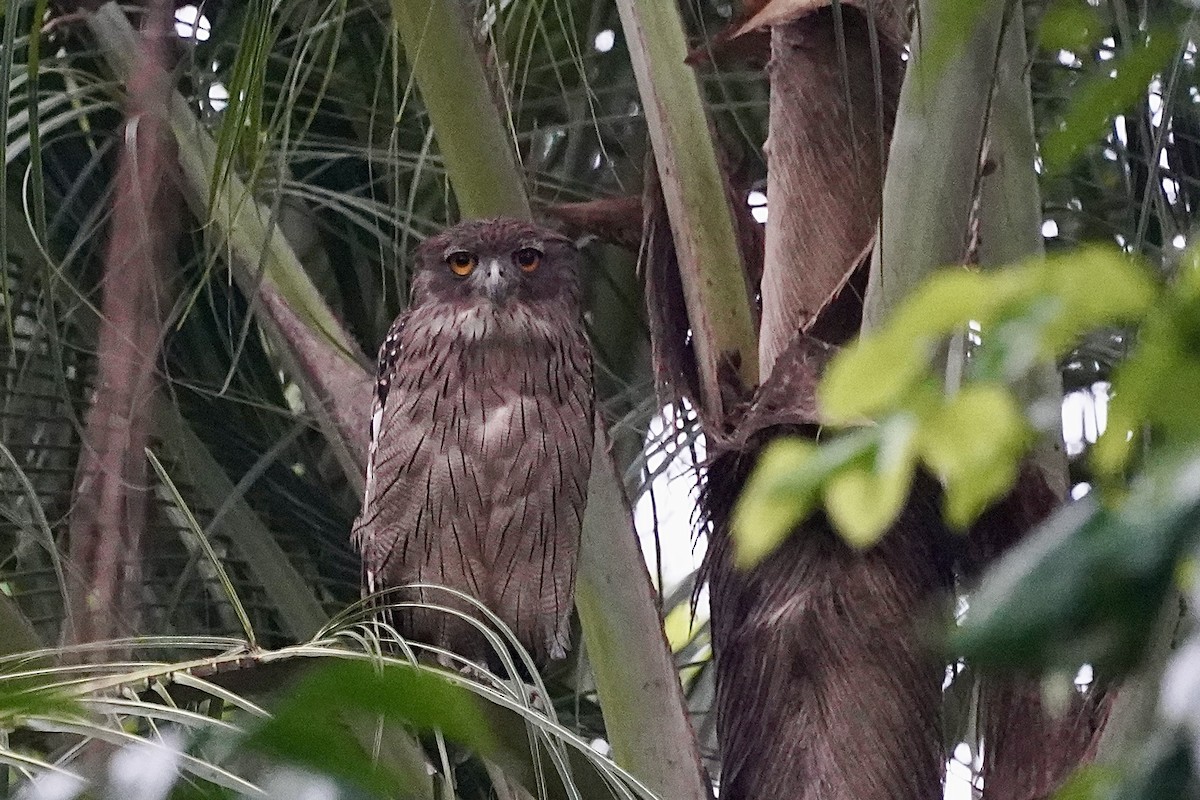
point(830, 127)
point(109, 514)
point(824, 687)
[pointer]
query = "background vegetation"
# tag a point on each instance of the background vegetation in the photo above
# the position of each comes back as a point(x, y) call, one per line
point(310, 144)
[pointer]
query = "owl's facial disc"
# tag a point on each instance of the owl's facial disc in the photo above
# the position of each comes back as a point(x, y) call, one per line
point(497, 275)
point(496, 280)
point(498, 263)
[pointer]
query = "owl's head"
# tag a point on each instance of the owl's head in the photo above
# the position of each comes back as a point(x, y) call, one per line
point(498, 261)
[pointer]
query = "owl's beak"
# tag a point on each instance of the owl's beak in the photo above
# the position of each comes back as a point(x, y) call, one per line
point(495, 281)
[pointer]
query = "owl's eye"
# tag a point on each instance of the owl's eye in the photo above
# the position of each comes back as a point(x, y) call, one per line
point(528, 258)
point(462, 263)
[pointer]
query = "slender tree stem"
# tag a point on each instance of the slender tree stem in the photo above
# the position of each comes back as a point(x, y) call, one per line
point(934, 157)
point(710, 264)
point(473, 137)
point(635, 674)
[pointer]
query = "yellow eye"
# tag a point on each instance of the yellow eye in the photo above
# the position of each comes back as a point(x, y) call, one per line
point(462, 263)
point(528, 258)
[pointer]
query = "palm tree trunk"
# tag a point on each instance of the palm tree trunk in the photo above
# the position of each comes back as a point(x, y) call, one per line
point(824, 690)
point(835, 76)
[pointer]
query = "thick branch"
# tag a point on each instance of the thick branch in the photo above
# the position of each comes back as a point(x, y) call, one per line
point(935, 155)
point(829, 136)
point(634, 672)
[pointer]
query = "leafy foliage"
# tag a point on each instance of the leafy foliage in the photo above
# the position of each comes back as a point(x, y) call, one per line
point(309, 728)
point(325, 707)
point(1098, 584)
point(314, 116)
point(972, 439)
point(1082, 590)
point(1107, 93)
point(311, 162)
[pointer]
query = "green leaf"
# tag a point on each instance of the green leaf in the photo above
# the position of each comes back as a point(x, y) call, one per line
point(1031, 312)
point(1187, 283)
point(864, 500)
point(1095, 286)
point(1016, 344)
point(881, 371)
point(1121, 82)
point(1100, 284)
point(317, 742)
point(1172, 398)
point(309, 729)
point(953, 297)
point(27, 696)
point(1090, 782)
point(1157, 386)
point(1070, 25)
point(1081, 586)
point(784, 489)
point(871, 376)
point(974, 443)
point(1110, 453)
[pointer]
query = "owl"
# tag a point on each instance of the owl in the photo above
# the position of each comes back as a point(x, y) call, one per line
point(481, 440)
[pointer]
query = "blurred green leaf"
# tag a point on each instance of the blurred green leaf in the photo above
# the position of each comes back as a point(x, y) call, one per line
point(1082, 586)
point(1031, 311)
point(955, 296)
point(880, 371)
point(870, 376)
point(1157, 385)
point(974, 443)
point(1115, 88)
point(320, 744)
point(784, 489)
point(1188, 276)
point(1095, 286)
point(1070, 25)
point(1091, 782)
point(310, 727)
point(28, 696)
point(864, 500)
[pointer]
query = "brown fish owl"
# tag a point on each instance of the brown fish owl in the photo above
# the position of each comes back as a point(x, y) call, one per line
point(481, 438)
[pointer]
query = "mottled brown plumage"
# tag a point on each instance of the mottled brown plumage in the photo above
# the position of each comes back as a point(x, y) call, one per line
point(481, 439)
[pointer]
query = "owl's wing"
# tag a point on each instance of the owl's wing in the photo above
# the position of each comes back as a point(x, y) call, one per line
point(389, 354)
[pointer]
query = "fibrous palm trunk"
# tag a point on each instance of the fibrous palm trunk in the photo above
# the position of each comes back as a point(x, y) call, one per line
point(824, 688)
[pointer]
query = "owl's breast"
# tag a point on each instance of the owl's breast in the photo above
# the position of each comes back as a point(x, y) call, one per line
point(481, 465)
point(493, 384)
point(500, 420)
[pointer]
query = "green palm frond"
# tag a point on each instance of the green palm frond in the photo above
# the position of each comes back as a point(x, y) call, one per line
point(184, 683)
